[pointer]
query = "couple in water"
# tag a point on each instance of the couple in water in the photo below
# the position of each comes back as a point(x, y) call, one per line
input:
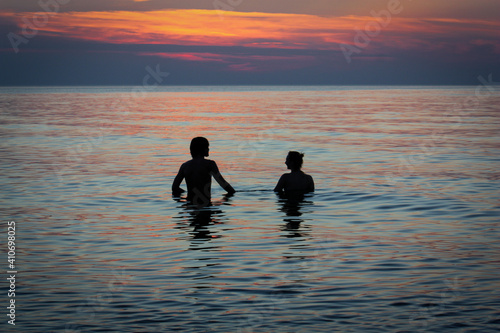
point(198, 173)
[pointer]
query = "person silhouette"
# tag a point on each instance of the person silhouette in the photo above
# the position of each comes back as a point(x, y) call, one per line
point(198, 173)
point(295, 182)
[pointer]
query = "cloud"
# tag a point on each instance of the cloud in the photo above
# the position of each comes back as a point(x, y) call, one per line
point(302, 47)
point(264, 30)
point(461, 9)
point(241, 62)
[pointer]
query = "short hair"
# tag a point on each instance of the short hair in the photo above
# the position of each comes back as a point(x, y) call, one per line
point(198, 146)
point(296, 158)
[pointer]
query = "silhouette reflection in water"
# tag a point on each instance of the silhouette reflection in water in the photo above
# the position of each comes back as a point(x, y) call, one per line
point(292, 205)
point(291, 189)
point(197, 219)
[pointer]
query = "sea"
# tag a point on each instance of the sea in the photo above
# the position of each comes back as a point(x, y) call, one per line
point(401, 235)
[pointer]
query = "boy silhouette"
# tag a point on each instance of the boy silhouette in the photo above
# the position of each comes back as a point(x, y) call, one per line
point(295, 182)
point(198, 173)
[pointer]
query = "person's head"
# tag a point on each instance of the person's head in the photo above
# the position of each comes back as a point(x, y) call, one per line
point(294, 160)
point(199, 146)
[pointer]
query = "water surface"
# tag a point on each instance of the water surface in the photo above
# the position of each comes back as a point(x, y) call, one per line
point(401, 235)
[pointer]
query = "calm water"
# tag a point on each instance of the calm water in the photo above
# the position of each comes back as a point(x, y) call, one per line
point(402, 234)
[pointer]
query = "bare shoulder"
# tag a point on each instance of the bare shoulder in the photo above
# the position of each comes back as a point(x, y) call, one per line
point(310, 183)
point(211, 164)
point(309, 180)
point(186, 164)
point(285, 177)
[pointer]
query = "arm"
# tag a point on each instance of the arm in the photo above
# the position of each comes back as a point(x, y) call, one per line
point(310, 186)
point(281, 184)
point(220, 180)
point(176, 190)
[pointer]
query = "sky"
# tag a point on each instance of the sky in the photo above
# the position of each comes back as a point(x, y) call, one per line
point(249, 42)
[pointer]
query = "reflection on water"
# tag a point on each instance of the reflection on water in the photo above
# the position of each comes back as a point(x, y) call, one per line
point(200, 220)
point(293, 206)
point(401, 234)
point(197, 219)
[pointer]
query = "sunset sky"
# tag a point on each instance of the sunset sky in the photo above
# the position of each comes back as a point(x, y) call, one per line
point(90, 42)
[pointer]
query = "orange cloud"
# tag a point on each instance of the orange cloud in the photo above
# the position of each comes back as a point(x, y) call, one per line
point(263, 30)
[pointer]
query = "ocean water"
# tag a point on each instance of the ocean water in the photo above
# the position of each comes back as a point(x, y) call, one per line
point(401, 235)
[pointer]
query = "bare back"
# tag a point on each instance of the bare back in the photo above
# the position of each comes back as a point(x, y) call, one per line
point(198, 174)
point(295, 182)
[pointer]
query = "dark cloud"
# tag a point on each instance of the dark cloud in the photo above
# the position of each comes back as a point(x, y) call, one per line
point(54, 61)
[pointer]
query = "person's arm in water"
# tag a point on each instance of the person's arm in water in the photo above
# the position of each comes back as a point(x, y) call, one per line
point(220, 180)
point(176, 190)
point(281, 185)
